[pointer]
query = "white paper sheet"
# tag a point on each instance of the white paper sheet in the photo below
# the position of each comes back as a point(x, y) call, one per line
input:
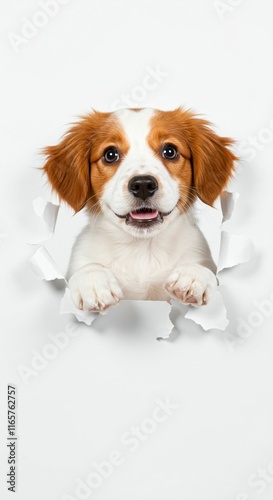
point(2, 236)
point(234, 250)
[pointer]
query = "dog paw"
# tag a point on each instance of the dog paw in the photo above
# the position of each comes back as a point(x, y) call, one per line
point(191, 284)
point(95, 290)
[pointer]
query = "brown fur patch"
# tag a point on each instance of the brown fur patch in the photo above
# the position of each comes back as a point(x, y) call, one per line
point(200, 148)
point(74, 167)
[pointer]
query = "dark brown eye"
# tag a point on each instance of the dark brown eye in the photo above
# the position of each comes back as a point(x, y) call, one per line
point(169, 152)
point(111, 155)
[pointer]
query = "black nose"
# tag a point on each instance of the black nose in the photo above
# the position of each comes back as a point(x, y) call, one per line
point(143, 186)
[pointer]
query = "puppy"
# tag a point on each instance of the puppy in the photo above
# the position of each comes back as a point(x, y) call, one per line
point(137, 172)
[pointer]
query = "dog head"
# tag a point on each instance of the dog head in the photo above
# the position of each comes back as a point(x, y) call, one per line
point(140, 168)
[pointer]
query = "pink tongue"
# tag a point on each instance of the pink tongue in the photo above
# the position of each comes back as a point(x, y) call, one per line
point(144, 215)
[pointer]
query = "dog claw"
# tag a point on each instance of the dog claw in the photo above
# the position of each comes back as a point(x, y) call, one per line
point(171, 285)
point(115, 297)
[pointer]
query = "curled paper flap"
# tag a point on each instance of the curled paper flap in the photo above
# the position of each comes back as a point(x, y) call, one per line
point(228, 202)
point(67, 307)
point(234, 250)
point(212, 316)
point(44, 266)
point(48, 212)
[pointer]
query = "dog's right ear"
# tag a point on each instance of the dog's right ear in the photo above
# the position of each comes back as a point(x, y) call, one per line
point(67, 165)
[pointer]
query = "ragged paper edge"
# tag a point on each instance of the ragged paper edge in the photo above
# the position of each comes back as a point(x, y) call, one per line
point(67, 307)
point(212, 316)
point(171, 325)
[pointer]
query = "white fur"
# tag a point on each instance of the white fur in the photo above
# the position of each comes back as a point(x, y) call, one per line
point(112, 260)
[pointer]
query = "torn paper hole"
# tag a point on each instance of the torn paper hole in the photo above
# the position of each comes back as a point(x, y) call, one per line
point(233, 251)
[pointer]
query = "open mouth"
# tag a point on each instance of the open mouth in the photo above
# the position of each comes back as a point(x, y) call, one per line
point(144, 217)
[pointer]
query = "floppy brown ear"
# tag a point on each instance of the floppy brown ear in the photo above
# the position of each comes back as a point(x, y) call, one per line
point(213, 161)
point(67, 166)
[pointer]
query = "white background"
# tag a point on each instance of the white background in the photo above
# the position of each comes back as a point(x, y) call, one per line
point(74, 411)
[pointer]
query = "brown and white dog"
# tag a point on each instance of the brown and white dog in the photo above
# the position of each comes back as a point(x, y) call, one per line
point(138, 172)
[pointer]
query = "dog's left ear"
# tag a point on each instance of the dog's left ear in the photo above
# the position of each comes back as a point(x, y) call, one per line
point(212, 159)
point(67, 167)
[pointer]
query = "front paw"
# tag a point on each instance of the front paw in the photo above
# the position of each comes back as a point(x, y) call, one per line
point(95, 290)
point(191, 284)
